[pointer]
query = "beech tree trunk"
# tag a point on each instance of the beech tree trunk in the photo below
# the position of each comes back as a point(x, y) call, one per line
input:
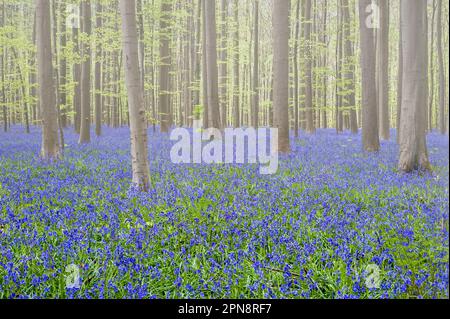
point(281, 72)
point(308, 69)
point(164, 55)
point(211, 65)
point(50, 143)
point(85, 127)
point(296, 70)
point(77, 76)
point(255, 82)
point(371, 142)
point(399, 75)
point(2, 68)
point(98, 76)
point(383, 70)
point(138, 127)
point(223, 64)
point(349, 73)
point(236, 80)
point(413, 147)
point(442, 87)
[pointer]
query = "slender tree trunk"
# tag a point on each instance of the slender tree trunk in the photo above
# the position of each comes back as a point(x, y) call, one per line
point(223, 65)
point(50, 144)
point(141, 33)
point(442, 86)
point(57, 74)
point(399, 74)
point(211, 65)
point(204, 69)
point(85, 128)
point(77, 75)
point(164, 54)
point(371, 140)
point(325, 60)
point(338, 106)
point(33, 80)
point(281, 72)
point(431, 94)
point(349, 72)
point(413, 148)
point(138, 127)
point(255, 82)
point(236, 80)
point(63, 66)
point(383, 70)
point(296, 72)
point(310, 128)
point(98, 75)
point(2, 66)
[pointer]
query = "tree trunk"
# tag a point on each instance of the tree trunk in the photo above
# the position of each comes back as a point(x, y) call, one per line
point(325, 60)
point(85, 127)
point(2, 68)
point(349, 72)
point(77, 75)
point(296, 71)
point(164, 55)
point(223, 65)
point(211, 65)
point(399, 74)
point(442, 86)
point(50, 144)
point(63, 66)
point(431, 73)
point(255, 82)
point(371, 140)
point(383, 70)
point(138, 127)
point(281, 72)
point(338, 106)
point(310, 128)
point(236, 81)
point(413, 149)
point(98, 75)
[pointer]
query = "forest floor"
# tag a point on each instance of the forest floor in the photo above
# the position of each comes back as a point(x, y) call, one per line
point(325, 226)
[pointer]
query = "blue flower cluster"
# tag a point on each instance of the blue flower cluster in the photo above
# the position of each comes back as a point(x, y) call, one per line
point(222, 231)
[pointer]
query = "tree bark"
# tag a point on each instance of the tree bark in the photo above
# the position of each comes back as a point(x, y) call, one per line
point(383, 70)
point(50, 144)
point(371, 142)
point(310, 128)
point(98, 74)
point(255, 82)
point(164, 54)
point(138, 127)
point(399, 74)
point(281, 72)
point(77, 76)
point(236, 80)
point(223, 64)
point(413, 149)
point(296, 71)
point(442, 86)
point(349, 72)
point(2, 67)
point(85, 127)
point(211, 65)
